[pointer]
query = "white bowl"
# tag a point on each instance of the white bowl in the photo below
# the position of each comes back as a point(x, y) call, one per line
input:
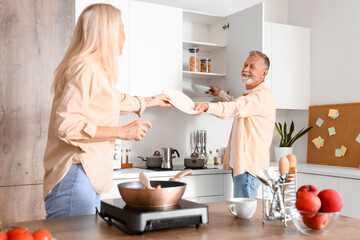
point(242, 207)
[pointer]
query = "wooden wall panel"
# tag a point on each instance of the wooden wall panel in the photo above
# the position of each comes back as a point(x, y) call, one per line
point(23, 203)
point(34, 36)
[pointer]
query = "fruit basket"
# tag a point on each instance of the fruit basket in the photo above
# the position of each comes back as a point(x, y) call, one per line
point(314, 224)
point(278, 197)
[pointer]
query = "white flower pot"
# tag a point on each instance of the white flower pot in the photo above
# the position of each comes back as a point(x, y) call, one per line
point(281, 152)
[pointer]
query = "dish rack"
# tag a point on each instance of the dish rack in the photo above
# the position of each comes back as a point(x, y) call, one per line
point(278, 200)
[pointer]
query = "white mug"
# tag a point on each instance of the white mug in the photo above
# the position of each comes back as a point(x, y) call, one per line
point(242, 207)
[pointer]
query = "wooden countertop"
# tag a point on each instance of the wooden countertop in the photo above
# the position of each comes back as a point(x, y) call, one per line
point(222, 225)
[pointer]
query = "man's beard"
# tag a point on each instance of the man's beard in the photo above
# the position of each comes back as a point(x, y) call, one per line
point(247, 79)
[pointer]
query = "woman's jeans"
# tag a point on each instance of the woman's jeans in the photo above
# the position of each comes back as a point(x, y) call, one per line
point(246, 185)
point(74, 195)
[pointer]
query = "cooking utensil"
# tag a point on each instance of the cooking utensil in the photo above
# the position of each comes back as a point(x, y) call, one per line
point(167, 157)
point(180, 175)
point(195, 161)
point(153, 162)
point(170, 193)
point(145, 180)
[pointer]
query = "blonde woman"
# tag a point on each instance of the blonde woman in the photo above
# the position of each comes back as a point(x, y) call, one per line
point(85, 111)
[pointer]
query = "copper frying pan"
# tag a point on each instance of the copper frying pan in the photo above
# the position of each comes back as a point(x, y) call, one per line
point(170, 193)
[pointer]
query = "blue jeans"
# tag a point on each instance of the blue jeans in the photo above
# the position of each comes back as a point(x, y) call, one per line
point(74, 195)
point(246, 185)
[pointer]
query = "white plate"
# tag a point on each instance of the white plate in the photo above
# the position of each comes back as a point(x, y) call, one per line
point(200, 88)
point(180, 101)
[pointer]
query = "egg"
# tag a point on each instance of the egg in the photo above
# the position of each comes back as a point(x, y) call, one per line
point(284, 165)
point(292, 160)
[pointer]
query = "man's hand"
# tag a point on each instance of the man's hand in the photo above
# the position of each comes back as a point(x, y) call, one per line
point(201, 107)
point(135, 130)
point(214, 91)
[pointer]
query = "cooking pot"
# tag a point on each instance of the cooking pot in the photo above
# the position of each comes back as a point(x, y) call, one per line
point(153, 162)
point(195, 161)
point(170, 193)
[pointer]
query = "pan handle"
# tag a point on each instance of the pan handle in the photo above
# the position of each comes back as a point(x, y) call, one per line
point(180, 175)
point(142, 158)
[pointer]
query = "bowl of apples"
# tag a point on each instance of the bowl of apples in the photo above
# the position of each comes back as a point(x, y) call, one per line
point(316, 213)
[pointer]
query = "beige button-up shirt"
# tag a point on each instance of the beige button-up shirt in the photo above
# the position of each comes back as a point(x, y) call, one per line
point(88, 100)
point(254, 120)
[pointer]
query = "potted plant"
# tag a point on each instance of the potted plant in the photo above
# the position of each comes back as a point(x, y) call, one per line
point(287, 140)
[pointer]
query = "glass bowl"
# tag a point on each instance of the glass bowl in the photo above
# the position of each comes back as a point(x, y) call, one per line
point(314, 224)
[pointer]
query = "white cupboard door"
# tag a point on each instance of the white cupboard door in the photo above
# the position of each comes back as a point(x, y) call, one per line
point(155, 48)
point(245, 34)
point(124, 7)
point(348, 189)
point(290, 58)
point(267, 50)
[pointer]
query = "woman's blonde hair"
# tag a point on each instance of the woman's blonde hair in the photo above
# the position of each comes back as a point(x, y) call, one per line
point(96, 37)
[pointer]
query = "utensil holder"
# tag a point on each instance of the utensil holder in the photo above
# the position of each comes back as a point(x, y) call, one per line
point(273, 207)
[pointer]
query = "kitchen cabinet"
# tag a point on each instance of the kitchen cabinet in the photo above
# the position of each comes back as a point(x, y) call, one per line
point(227, 42)
point(155, 48)
point(123, 83)
point(345, 186)
point(289, 50)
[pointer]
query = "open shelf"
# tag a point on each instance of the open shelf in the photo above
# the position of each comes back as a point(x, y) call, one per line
point(203, 46)
point(200, 18)
point(189, 74)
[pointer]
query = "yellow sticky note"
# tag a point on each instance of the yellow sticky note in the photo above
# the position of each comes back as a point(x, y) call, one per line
point(319, 142)
point(333, 113)
point(343, 150)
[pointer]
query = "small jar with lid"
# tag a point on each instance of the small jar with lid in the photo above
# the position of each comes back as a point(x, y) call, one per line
point(194, 60)
point(205, 65)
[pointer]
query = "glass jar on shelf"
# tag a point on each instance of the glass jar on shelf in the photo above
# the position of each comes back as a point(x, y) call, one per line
point(205, 65)
point(194, 60)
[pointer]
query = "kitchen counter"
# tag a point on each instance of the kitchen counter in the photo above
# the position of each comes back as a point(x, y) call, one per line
point(134, 172)
point(326, 170)
point(222, 225)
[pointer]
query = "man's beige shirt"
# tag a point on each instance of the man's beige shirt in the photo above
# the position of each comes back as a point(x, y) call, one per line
point(255, 116)
point(88, 100)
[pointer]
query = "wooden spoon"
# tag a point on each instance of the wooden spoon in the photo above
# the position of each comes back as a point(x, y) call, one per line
point(145, 180)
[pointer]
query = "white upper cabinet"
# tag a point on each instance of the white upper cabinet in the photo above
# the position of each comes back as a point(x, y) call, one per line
point(289, 50)
point(155, 48)
point(124, 7)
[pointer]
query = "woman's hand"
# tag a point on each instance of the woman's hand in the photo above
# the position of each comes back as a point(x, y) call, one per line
point(135, 130)
point(214, 91)
point(158, 100)
point(201, 107)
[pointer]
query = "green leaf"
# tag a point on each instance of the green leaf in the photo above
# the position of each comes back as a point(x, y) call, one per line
point(285, 133)
point(286, 136)
point(299, 135)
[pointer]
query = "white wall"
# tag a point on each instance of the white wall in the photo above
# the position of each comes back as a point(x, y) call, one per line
point(172, 128)
point(335, 30)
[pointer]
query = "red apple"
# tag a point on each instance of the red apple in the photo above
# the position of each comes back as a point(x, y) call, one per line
point(318, 222)
point(308, 202)
point(331, 201)
point(307, 188)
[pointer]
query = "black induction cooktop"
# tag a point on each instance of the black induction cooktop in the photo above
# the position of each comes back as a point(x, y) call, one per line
point(135, 220)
